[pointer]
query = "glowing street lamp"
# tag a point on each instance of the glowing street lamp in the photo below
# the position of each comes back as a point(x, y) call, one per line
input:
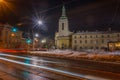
point(40, 22)
point(1, 0)
point(12, 34)
point(43, 41)
point(36, 35)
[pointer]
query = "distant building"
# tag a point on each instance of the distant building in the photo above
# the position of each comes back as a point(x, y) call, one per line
point(64, 39)
point(93, 40)
point(9, 39)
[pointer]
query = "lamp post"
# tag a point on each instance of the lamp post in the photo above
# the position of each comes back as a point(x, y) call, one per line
point(34, 36)
point(39, 22)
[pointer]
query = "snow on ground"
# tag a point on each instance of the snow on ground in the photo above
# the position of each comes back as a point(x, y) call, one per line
point(88, 54)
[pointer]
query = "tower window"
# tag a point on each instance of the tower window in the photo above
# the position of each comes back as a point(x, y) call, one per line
point(62, 26)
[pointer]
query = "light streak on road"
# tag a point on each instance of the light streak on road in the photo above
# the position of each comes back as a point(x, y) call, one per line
point(86, 77)
point(43, 67)
point(8, 55)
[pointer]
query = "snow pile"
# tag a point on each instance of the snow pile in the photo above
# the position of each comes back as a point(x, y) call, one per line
point(69, 54)
point(104, 57)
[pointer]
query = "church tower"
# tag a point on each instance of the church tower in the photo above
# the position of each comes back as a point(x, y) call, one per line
point(62, 37)
point(63, 24)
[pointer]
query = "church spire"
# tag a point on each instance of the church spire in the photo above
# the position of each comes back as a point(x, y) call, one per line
point(63, 11)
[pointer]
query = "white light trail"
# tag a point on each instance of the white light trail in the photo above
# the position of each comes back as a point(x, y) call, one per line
point(1, 54)
point(86, 77)
point(45, 68)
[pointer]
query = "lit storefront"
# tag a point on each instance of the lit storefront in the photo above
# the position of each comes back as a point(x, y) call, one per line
point(114, 45)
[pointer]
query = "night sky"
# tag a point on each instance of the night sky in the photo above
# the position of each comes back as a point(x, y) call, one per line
point(87, 15)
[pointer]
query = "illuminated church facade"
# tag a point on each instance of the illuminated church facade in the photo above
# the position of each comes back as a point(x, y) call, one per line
point(64, 39)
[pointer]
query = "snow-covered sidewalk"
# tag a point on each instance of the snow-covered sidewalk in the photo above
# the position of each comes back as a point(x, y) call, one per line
point(69, 54)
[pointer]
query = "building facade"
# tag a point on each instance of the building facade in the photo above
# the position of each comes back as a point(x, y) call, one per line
point(10, 39)
point(84, 40)
point(93, 40)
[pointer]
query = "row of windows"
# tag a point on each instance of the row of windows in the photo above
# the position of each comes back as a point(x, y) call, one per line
point(118, 35)
point(90, 41)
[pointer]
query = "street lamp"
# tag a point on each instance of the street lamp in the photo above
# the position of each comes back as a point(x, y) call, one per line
point(36, 35)
point(43, 41)
point(1, 0)
point(12, 34)
point(40, 22)
point(35, 39)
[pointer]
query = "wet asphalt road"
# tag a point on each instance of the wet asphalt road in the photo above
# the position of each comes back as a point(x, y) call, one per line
point(24, 67)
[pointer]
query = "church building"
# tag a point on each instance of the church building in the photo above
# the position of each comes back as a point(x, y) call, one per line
point(62, 37)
